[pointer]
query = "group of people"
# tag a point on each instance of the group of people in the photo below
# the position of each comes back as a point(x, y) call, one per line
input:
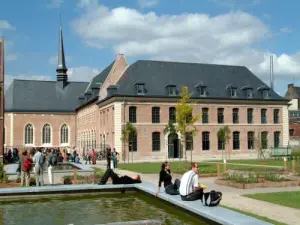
point(188, 188)
point(37, 159)
point(112, 156)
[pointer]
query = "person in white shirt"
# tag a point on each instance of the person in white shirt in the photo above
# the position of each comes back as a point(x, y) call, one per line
point(39, 167)
point(189, 187)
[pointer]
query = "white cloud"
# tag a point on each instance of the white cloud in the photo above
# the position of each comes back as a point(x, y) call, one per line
point(286, 30)
point(82, 73)
point(147, 3)
point(230, 38)
point(4, 24)
point(55, 4)
point(53, 59)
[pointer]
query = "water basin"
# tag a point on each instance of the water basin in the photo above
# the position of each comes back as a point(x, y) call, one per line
point(93, 209)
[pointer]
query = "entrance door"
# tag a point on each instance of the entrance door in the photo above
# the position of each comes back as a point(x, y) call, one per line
point(173, 146)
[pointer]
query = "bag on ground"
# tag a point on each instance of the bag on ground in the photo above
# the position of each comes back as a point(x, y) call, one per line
point(212, 198)
point(27, 165)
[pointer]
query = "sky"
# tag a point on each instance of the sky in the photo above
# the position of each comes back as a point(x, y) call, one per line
point(230, 32)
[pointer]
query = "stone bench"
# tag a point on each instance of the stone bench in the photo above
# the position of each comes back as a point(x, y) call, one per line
point(217, 214)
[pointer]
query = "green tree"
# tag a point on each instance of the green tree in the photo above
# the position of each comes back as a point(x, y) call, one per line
point(224, 137)
point(128, 130)
point(185, 119)
point(260, 142)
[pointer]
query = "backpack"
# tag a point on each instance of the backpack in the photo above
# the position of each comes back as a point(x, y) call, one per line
point(212, 198)
point(42, 159)
point(27, 165)
point(53, 160)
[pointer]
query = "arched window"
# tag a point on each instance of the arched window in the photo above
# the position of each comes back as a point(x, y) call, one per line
point(46, 134)
point(64, 134)
point(28, 134)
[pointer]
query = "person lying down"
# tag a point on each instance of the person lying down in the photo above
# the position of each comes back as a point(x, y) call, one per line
point(109, 173)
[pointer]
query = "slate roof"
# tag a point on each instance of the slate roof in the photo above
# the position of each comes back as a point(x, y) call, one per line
point(42, 96)
point(100, 78)
point(156, 75)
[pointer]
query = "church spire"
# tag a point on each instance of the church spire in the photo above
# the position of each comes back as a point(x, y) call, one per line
point(61, 66)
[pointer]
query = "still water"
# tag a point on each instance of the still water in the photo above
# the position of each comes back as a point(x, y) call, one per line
point(92, 209)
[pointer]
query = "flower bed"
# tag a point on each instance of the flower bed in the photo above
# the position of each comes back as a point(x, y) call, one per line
point(253, 180)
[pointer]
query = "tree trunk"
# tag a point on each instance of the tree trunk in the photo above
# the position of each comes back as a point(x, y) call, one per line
point(184, 150)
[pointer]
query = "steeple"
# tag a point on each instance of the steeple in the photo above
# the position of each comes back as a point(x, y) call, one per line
point(61, 66)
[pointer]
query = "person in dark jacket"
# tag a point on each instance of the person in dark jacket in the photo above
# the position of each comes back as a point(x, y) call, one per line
point(166, 178)
point(108, 157)
point(119, 180)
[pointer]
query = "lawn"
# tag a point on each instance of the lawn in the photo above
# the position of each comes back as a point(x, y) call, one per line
point(181, 167)
point(267, 162)
point(289, 199)
point(266, 219)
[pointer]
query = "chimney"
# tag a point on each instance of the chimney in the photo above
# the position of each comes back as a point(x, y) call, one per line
point(290, 86)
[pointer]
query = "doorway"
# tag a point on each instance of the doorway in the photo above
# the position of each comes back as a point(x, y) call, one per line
point(173, 146)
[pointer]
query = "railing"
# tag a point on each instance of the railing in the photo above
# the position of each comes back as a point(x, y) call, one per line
point(281, 152)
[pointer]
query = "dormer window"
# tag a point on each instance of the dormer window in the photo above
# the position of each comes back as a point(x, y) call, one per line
point(266, 94)
point(171, 90)
point(201, 89)
point(140, 89)
point(232, 90)
point(248, 91)
point(265, 91)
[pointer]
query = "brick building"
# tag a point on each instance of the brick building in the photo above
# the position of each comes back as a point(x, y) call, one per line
point(91, 115)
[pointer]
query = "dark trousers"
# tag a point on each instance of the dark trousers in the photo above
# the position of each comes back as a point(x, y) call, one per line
point(108, 163)
point(193, 196)
point(109, 173)
point(172, 189)
point(88, 158)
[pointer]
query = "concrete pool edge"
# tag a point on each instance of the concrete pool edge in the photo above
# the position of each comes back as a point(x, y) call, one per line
point(218, 214)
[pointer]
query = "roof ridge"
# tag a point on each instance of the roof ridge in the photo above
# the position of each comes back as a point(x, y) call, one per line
point(194, 63)
point(70, 81)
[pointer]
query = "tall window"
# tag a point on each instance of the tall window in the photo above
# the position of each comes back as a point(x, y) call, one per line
point(276, 116)
point(46, 134)
point(28, 134)
point(250, 116)
point(189, 141)
point(156, 141)
point(205, 140)
point(235, 115)
point(132, 143)
point(132, 114)
point(276, 139)
point(220, 115)
point(250, 140)
point(3, 135)
point(220, 144)
point(205, 115)
point(155, 115)
point(263, 114)
point(264, 140)
point(236, 140)
point(64, 134)
point(172, 114)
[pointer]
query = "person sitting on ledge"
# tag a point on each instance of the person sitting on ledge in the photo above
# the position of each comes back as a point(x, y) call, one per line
point(165, 176)
point(189, 188)
point(119, 180)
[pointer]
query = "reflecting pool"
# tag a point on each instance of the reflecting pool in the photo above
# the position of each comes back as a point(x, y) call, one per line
point(92, 209)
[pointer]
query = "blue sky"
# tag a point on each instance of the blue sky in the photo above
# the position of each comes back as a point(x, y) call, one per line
point(236, 32)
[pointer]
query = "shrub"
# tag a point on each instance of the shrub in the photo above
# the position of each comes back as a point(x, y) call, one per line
point(32, 181)
point(18, 180)
point(240, 178)
point(67, 180)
